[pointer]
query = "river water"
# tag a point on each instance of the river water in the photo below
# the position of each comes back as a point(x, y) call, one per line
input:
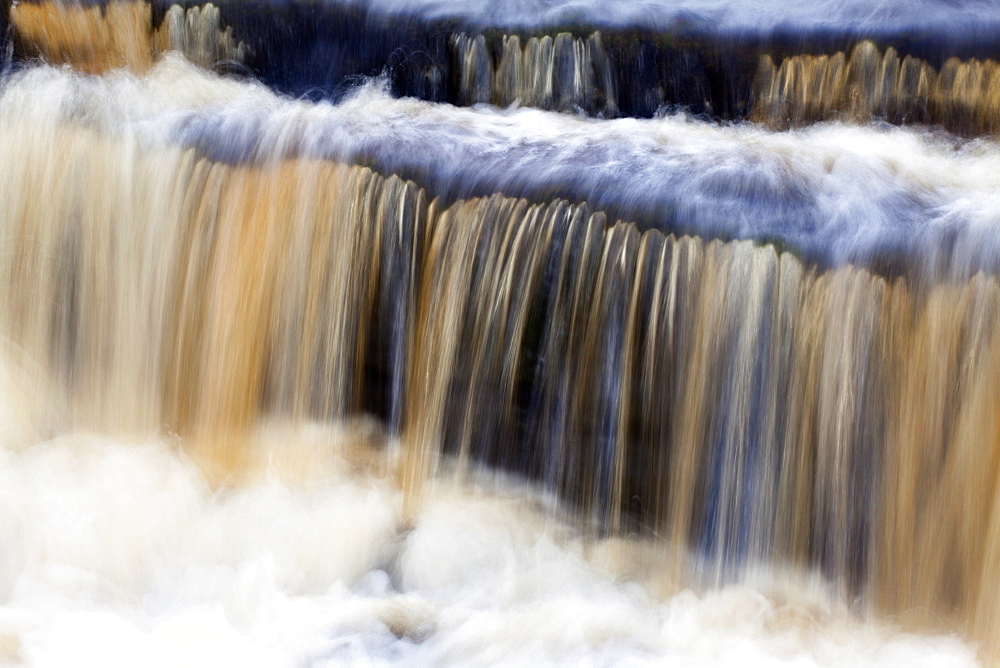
point(360, 333)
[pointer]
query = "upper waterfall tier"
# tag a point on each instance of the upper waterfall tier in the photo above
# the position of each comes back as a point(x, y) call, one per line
point(892, 199)
point(778, 63)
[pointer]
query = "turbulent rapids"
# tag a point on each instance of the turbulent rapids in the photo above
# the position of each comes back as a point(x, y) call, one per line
point(433, 333)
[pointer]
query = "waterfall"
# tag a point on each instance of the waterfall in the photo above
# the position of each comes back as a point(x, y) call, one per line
point(708, 300)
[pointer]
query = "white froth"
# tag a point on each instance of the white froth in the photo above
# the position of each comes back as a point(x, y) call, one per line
point(725, 15)
point(117, 553)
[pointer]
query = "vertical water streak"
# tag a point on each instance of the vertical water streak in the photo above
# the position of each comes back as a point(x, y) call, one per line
point(605, 376)
point(475, 68)
point(564, 72)
point(197, 32)
point(849, 422)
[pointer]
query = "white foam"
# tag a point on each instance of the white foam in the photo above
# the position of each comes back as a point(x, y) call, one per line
point(118, 553)
point(726, 15)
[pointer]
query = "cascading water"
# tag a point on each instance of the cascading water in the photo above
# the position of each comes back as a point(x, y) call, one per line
point(432, 333)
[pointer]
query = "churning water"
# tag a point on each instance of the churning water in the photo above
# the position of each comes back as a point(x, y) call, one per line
point(338, 333)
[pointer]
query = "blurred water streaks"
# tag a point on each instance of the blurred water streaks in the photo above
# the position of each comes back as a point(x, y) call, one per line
point(738, 309)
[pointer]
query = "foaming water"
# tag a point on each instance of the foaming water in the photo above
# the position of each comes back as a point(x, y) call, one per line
point(857, 15)
point(120, 553)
